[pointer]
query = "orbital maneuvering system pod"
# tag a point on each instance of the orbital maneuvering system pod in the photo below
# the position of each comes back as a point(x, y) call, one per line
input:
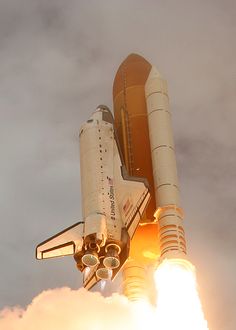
point(130, 192)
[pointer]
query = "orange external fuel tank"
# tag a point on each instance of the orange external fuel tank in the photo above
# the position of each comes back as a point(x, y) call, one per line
point(131, 125)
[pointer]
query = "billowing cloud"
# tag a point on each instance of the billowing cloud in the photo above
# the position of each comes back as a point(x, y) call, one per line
point(72, 310)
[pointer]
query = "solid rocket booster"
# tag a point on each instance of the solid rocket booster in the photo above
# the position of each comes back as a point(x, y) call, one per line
point(169, 214)
point(134, 284)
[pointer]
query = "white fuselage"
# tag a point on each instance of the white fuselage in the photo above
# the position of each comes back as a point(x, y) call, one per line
point(99, 207)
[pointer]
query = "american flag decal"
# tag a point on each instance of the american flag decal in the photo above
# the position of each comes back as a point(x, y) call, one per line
point(127, 206)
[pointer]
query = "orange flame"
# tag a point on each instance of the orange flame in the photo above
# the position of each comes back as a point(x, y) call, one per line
point(178, 302)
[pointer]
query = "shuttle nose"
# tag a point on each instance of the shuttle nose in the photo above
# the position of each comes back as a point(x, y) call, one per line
point(102, 112)
point(102, 108)
point(105, 113)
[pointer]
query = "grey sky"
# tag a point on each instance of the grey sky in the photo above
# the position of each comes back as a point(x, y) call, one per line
point(57, 63)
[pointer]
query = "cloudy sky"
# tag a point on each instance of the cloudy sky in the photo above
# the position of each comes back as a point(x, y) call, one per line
point(57, 63)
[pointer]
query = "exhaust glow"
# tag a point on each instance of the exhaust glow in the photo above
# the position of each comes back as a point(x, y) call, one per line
point(178, 302)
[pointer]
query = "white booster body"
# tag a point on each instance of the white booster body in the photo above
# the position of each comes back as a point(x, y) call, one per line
point(134, 280)
point(169, 214)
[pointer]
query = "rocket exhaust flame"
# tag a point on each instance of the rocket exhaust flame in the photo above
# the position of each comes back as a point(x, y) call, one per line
point(178, 303)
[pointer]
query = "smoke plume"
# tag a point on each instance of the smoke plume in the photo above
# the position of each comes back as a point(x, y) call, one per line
point(178, 307)
point(68, 309)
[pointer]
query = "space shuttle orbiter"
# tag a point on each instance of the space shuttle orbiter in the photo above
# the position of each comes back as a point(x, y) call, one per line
point(112, 202)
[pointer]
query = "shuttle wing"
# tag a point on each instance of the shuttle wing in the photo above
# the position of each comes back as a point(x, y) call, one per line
point(64, 243)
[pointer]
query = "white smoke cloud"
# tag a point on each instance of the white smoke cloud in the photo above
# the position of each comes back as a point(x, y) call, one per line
point(64, 308)
point(177, 307)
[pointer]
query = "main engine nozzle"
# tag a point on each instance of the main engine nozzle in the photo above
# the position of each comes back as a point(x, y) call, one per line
point(90, 258)
point(112, 259)
point(103, 273)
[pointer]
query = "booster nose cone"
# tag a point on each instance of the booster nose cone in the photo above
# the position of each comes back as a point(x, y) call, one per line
point(90, 259)
point(154, 73)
